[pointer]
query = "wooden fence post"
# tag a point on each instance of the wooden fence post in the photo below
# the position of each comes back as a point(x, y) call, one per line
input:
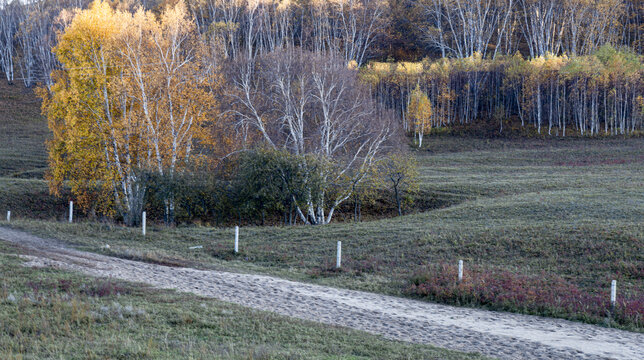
point(613, 294)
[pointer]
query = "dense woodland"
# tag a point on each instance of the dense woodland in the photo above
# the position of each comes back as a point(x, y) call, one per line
point(288, 111)
point(358, 30)
point(598, 94)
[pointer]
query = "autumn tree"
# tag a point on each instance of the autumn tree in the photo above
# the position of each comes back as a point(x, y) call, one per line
point(130, 100)
point(419, 112)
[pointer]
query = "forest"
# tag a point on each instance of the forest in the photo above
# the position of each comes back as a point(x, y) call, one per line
point(286, 111)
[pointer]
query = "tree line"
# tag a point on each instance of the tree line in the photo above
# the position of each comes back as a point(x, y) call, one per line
point(355, 30)
point(598, 94)
point(502, 27)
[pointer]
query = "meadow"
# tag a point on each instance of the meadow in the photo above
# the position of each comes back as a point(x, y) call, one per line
point(542, 225)
point(55, 314)
point(46, 313)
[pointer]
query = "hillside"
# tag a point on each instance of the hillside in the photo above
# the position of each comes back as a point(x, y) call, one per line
point(23, 131)
point(23, 156)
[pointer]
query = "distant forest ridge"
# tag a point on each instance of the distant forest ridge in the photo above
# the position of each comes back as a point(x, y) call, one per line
point(357, 30)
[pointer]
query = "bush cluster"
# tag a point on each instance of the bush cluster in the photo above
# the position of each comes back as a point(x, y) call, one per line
point(262, 187)
point(539, 294)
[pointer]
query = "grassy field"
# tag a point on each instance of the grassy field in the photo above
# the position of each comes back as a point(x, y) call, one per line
point(53, 314)
point(569, 211)
point(549, 222)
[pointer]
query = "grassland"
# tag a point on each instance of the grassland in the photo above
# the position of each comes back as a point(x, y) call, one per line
point(570, 211)
point(54, 314)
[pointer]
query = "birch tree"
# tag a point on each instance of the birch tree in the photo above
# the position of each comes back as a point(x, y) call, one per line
point(462, 28)
point(8, 30)
point(130, 99)
point(420, 113)
point(311, 106)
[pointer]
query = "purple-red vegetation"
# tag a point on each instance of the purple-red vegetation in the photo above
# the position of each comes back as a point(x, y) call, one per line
point(104, 288)
point(541, 294)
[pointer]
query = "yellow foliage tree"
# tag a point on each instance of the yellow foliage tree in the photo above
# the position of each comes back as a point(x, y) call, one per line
point(419, 113)
point(131, 100)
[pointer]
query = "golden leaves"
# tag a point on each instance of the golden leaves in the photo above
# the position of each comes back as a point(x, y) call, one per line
point(420, 110)
point(131, 97)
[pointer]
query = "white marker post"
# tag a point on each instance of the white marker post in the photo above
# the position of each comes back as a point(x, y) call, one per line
point(143, 223)
point(236, 239)
point(8, 216)
point(460, 270)
point(71, 211)
point(338, 260)
point(613, 293)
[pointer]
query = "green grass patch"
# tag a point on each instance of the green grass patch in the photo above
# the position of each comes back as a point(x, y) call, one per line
point(30, 198)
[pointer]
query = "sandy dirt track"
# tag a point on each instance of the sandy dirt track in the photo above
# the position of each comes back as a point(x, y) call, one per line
point(498, 334)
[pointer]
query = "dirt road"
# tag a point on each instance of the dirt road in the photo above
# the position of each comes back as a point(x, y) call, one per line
point(501, 335)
